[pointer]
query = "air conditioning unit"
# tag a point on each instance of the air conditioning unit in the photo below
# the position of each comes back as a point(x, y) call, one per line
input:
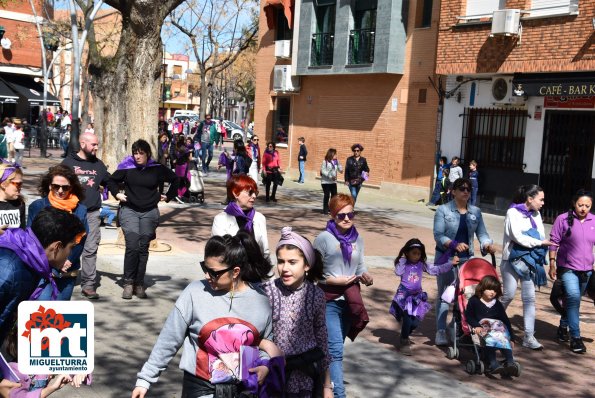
point(283, 81)
point(506, 22)
point(503, 91)
point(283, 49)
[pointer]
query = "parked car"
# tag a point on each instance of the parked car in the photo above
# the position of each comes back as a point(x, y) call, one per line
point(234, 131)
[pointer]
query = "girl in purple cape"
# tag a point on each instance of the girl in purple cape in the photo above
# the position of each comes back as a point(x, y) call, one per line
point(410, 303)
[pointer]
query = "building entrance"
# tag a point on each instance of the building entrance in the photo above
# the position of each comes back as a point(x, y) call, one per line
point(566, 158)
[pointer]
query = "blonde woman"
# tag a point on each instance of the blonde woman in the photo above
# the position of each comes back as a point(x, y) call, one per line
point(12, 205)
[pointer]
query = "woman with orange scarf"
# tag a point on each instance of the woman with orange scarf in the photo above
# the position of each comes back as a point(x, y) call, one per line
point(60, 188)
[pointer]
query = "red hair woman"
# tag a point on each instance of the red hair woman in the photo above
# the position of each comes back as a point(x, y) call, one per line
point(240, 213)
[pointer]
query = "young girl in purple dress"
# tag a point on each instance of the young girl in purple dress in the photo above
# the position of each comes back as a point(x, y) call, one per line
point(410, 303)
point(299, 325)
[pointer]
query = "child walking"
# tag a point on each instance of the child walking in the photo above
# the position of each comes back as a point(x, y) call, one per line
point(486, 315)
point(299, 326)
point(410, 303)
point(474, 178)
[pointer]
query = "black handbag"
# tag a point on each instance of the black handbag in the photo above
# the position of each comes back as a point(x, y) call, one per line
point(310, 363)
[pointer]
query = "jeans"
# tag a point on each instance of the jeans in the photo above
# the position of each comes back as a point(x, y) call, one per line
point(573, 290)
point(436, 192)
point(443, 281)
point(509, 284)
point(329, 190)
point(302, 166)
point(491, 356)
point(206, 148)
point(89, 255)
point(65, 287)
point(107, 215)
point(267, 183)
point(473, 199)
point(337, 324)
point(354, 190)
point(139, 229)
point(408, 325)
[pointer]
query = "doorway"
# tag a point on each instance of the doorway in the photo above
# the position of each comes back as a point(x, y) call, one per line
point(566, 158)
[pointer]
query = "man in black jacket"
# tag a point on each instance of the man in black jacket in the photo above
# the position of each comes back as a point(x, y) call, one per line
point(302, 159)
point(93, 176)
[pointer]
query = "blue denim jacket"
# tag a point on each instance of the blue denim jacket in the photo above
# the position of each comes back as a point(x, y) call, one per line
point(446, 225)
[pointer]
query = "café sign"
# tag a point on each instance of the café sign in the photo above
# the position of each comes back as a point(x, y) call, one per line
point(555, 84)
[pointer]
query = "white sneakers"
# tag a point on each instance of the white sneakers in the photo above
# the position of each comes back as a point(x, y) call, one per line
point(529, 341)
point(441, 339)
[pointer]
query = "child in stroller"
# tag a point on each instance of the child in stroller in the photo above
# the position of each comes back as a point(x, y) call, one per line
point(486, 318)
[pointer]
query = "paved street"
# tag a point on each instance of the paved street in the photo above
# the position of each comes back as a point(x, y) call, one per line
point(126, 330)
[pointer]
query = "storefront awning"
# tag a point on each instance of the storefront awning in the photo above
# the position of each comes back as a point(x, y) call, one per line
point(269, 10)
point(556, 84)
point(26, 87)
point(6, 94)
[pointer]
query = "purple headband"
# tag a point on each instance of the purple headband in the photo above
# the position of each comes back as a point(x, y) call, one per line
point(11, 168)
point(291, 238)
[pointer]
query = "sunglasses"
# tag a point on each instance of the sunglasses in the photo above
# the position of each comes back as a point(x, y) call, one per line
point(214, 274)
point(56, 187)
point(341, 216)
point(17, 185)
point(252, 192)
point(255, 139)
point(464, 189)
point(357, 150)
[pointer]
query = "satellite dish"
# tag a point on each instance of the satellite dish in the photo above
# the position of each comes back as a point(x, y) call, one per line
point(5, 43)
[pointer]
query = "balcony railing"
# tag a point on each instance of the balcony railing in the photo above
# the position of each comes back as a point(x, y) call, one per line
point(361, 46)
point(322, 49)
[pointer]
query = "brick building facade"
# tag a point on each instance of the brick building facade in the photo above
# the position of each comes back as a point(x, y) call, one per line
point(351, 78)
point(520, 97)
point(21, 92)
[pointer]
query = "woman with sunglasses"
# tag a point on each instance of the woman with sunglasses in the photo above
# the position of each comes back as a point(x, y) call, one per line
point(239, 214)
point(455, 225)
point(356, 170)
point(253, 150)
point(231, 313)
point(271, 165)
point(12, 204)
point(60, 188)
point(139, 214)
point(342, 250)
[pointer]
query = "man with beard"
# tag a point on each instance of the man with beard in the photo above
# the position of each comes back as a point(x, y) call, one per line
point(93, 176)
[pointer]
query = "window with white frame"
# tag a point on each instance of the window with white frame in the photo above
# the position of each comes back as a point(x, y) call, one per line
point(543, 8)
point(483, 8)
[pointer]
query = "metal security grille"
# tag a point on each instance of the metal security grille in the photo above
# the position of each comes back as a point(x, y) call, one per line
point(566, 158)
point(322, 49)
point(361, 46)
point(494, 137)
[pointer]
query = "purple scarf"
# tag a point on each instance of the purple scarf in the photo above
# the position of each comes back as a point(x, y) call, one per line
point(344, 239)
point(11, 168)
point(129, 163)
point(25, 244)
point(234, 210)
point(164, 146)
point(525, 212)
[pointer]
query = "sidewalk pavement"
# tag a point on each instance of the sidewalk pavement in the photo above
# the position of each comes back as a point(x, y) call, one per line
point(127, 330)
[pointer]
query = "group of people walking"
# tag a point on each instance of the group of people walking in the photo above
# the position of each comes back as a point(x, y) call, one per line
point(295, 315)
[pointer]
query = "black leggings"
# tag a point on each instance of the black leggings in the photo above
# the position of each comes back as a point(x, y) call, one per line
point(329, 190)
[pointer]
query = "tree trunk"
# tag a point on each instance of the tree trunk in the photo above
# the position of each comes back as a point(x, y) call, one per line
point(126, 91)
point(204, 95)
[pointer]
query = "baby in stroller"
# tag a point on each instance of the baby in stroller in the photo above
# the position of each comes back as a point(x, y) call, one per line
point(487, 318)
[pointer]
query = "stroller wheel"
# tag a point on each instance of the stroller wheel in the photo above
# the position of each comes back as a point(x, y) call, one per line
point(518, 369)
point(481, 370)
point(456, 353)
point(470, 367)
point(451, 353)
point(192, 199)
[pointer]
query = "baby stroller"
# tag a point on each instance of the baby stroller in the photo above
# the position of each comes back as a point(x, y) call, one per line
point(196, 188)
point(470, 274)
